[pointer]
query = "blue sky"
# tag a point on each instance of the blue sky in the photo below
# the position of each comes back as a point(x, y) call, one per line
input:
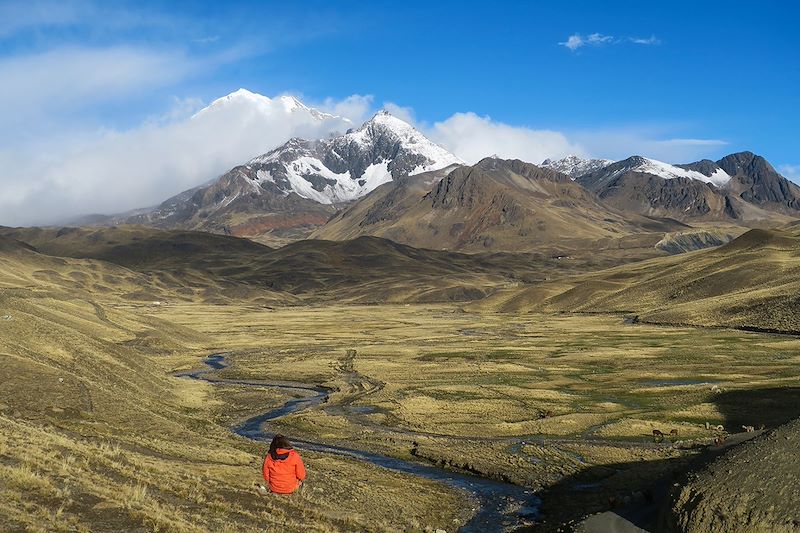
point(672, 80)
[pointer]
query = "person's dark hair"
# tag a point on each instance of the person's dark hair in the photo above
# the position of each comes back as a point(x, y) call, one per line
point(279, 441)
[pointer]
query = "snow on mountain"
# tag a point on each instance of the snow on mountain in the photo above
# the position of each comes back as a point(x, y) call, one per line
point(383, 123)
point(574, 166)
point(260, 104)
point(663, 170)
point(348, 166)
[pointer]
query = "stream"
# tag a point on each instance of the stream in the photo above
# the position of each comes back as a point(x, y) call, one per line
point(501, 506)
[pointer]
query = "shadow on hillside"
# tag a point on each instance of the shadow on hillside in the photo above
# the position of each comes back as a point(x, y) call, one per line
point(770, 407)
point(636, 491)
point(639, 491)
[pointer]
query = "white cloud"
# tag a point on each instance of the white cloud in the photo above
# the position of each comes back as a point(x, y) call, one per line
point(576, 40)
point(791, 172)
point(645, 40)
point(56, 161)
point(472, 137)
point(18, 16)
point(598, 39)
point(47, 92)
point(657, 143)
point(573, 42)
point(355, 108)
point(41, 83)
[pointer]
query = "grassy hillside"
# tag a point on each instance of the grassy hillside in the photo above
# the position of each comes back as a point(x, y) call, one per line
point(751, 282)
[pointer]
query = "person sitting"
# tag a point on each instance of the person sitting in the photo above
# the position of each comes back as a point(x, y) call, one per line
point(284, 470)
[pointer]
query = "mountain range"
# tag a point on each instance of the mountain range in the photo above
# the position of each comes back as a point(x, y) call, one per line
point(495, 204)
point(741, 187)
point(385, 178)
point(288, 191)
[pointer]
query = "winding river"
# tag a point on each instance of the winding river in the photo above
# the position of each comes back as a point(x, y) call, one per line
point(502, 506)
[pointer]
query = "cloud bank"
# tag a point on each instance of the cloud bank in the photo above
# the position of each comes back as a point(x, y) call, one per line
point(472, 137)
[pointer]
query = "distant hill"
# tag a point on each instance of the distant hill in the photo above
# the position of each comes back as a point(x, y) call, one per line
point(217, 268)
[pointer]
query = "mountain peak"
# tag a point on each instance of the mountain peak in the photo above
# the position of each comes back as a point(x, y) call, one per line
point(291, 103)
point(575, 166)
point(243, 100)
point(385, 125)
point(653, 167)
point(241, 91)
point(744, 162)
point(345, 167)
point(242, 94)
point(387, 120)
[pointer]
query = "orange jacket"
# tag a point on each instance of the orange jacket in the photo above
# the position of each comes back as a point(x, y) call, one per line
point(285, 473)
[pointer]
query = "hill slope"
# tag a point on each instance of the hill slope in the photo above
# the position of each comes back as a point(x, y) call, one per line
point(751, 282)
point(97, 435)
point(753, 487)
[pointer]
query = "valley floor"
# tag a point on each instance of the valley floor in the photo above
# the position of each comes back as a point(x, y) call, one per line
point(99, 435)
point(562, 404)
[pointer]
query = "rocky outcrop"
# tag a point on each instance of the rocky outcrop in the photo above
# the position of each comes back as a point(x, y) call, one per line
point(688, 241)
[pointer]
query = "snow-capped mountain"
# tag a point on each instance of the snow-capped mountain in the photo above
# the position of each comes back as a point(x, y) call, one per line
point(349, 166)
point(574, 166)
point(644, 165)
point(258, 104)
point(741, 186)
point(294, 187)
